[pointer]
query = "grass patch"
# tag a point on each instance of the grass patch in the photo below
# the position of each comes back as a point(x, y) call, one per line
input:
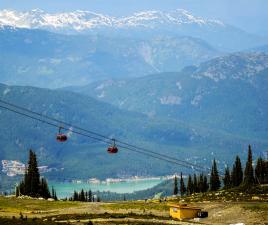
point(13, 204)
point(136, 205)
point(106, 215)
point(257, 207)
point(8, 221)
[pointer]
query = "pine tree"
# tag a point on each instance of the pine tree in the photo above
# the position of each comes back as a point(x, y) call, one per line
point(227, 178)
point(266, 172)
point(31, 184)
point(249, 173)
point(82, 196)
point(33, 175)
point(175, 190)
point(89, 196)
point(201, 183)
point(215, 183)
point(189, 186)
point(260, 171)
point(237, 173)
point(182, 186)
point(55, 196)
point(44, 190)
point(26, 184)
point(52, 192)
point(195, 185)
point(206, 186)
point(75, 196)
point(17, 191)
point(21, 188)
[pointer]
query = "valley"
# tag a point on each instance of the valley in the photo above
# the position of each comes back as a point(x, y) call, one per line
point(194, 143)
point(151, 115)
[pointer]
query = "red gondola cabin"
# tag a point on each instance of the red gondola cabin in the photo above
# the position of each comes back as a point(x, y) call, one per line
point(112, 149)
point(60, 136)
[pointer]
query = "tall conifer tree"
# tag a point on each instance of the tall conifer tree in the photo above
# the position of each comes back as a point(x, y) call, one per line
point(175, 190)
point(44, 190)
point(89, 196)
point(189, 186)
point(32, 185)
point(249, 172)
point(237, 173)
point(227, 178)
point(82, 196)
point(215, 183)
point(201, 183)
point(33, 177)
point(206, 186)
point(195, 184)
point(260, 171)
point(182, 186)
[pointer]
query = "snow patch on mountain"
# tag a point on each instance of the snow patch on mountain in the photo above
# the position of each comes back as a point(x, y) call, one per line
point(170, 100)
point(105, 84)
point(195, 101)
point(146, 53)
point(101, 95)
point(178, 84)
point(6, 91)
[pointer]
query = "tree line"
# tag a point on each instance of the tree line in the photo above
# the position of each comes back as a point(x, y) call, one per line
point(237, 177)
point(84, 196)
point(33, 185)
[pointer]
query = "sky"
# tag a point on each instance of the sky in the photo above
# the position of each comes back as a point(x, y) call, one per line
point(250, 15)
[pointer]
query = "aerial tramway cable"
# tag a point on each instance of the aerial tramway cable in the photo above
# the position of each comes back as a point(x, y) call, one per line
point(151, 153)
point(101, 138)
point(97, 134)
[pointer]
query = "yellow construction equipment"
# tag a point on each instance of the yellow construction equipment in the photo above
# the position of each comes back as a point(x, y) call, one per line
point(183, 211)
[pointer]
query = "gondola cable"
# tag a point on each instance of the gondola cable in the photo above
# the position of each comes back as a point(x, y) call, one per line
point(97, 134)
point(151, 154)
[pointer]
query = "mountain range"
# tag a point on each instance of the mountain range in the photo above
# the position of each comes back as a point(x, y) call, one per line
point(206, 95)
point(84, 20)
point(140, 25)
point(167, 81)
point(45, 59)
point(82, 157)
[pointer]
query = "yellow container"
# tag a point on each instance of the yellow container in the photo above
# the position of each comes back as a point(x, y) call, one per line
point(183, 211)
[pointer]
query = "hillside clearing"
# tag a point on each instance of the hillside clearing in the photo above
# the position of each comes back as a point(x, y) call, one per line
point(127, 212)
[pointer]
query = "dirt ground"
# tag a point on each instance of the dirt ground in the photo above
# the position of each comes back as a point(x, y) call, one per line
point(235, 213)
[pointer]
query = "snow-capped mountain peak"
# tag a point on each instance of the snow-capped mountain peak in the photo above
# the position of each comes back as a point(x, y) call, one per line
point(85, 20)
point(77, 20)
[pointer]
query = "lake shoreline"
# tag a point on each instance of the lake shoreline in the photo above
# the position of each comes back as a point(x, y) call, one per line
point(118, 185)
point(119, 180)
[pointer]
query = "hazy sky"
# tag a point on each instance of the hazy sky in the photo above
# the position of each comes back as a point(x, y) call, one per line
point(251, 15)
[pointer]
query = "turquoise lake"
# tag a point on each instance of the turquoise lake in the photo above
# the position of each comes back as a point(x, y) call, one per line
point(66, 189)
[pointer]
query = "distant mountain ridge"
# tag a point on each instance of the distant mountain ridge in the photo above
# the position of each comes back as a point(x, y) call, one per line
point(82, 20)
point(144, 24)
point(226, 93)
point(41, 58)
